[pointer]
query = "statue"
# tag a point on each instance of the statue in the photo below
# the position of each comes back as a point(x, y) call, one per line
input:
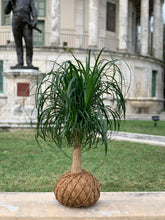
point(22, 27)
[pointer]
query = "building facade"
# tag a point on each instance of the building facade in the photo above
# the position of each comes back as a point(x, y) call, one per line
point(131, 29)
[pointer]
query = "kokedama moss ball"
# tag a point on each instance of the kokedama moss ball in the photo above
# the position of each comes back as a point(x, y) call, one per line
point(77, 190)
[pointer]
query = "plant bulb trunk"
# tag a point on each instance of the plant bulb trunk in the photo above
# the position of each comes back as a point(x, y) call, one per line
point(76, 163)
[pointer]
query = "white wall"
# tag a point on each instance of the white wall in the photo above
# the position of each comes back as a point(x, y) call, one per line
point(138, 73)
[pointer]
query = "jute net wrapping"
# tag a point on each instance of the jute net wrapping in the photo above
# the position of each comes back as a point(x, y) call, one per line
point(77, 190)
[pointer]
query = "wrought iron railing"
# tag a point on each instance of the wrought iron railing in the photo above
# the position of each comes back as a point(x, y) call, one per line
point(68, 40)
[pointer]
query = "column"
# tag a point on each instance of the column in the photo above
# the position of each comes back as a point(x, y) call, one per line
point(149, 37)
point(123, 25)
point(157, 29)
point(79, 23)
point(161, 29)
point(144, 22)
point(55, 22)
point(102, 25)
point(93, 23)
point(130, 29)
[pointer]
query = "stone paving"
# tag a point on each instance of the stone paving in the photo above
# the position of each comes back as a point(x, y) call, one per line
point(111, 205)
point(139, 138)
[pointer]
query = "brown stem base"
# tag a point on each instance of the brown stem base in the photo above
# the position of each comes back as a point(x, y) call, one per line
point(77, 190)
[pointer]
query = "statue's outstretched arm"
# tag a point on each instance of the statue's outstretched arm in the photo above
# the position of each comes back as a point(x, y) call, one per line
point(34, 13)
point(8, 7)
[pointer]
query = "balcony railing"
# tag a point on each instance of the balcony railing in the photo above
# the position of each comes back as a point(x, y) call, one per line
point(68, 40)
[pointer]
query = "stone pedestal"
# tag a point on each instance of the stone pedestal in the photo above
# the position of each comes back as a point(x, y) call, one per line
point(19, 88)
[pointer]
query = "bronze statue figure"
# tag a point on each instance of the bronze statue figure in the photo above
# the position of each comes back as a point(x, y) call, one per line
point(22, 27)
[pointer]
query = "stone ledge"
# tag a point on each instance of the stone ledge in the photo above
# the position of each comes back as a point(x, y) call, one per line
point(112, 205)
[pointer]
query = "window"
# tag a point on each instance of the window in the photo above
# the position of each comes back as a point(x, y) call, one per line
point(111, 17)
point(6, 19)
point(39, 38)
point(154, 73)
point(1, 77)
point(41, 8)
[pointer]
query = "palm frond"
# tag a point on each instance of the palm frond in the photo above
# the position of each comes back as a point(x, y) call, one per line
point(73, 101)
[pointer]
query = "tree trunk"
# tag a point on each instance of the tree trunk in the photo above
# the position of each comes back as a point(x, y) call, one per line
point(76, 162)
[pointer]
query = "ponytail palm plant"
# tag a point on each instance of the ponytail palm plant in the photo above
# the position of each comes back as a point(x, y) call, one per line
point(72, 108)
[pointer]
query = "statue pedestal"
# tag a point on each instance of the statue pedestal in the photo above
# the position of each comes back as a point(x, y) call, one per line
point(19, 87)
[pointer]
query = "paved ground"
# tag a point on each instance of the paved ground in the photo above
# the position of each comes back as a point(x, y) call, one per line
point(111, 205)
point(139, 138)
